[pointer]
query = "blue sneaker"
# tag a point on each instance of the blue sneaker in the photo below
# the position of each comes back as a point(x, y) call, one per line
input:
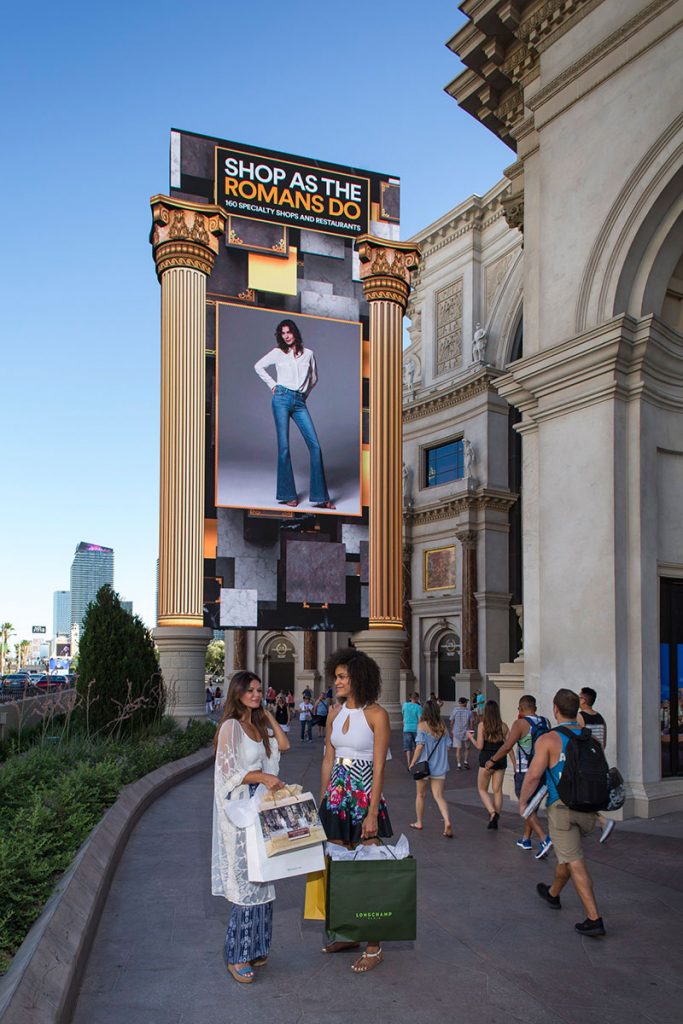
point(544, 848)
point(524, 844)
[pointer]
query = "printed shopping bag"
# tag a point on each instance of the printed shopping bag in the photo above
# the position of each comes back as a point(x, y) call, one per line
point(262, 868)
point(314, 903)
point(372, 899)
point(288, 820)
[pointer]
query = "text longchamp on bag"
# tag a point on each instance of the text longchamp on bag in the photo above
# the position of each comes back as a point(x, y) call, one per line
point(372, 899)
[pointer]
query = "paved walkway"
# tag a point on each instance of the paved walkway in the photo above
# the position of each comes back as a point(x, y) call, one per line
point(489, 951)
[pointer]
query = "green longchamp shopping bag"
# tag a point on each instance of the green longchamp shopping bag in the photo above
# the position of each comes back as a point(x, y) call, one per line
point(372, 899)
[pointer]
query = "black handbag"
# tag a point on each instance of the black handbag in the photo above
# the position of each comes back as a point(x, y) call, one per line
point(421, 769)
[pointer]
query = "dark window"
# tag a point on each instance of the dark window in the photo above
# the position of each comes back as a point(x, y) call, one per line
point(671, 676)
point(444, 463)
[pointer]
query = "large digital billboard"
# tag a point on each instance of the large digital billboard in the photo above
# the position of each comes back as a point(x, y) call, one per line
point(288, 411)
point(287, 378)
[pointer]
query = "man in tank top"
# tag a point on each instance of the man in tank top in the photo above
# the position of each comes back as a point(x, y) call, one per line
point(567, 827)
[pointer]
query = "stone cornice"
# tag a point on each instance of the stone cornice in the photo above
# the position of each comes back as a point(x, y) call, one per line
point(623, 358)
point(476, 212)
point(485, 498)
point(462, 391)
point(501, 50)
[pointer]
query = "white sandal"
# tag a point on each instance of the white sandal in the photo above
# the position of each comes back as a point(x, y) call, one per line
point(374, 958)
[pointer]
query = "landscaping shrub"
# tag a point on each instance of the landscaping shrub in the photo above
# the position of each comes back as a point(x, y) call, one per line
point(52, 796)
point(119, 684)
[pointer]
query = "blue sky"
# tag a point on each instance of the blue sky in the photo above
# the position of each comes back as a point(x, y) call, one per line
point(91, 93)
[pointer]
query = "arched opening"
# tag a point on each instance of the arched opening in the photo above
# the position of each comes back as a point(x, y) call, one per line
point(515, 566)
point(672, 307)
point(448, 665)
point(280, 659)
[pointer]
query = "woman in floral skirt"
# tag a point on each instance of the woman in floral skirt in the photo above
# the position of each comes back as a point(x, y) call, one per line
point(352, 808)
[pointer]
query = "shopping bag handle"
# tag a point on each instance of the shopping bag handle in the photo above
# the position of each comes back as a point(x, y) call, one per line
point(380, 843)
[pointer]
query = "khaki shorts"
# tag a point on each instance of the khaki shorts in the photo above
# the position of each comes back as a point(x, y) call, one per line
point(567, 828)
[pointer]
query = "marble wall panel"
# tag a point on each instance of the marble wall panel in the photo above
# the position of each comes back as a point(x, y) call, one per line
point(259, 573)
point(352, 535)
point(339, 307)
point(322, 245)
point(239, 608)
point(315, 573)
point(364, 561)
point(365, 602)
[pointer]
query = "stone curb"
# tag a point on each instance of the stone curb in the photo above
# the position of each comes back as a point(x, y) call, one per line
point(42, 983)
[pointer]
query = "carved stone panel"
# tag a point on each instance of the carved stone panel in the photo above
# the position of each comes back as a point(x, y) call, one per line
point(494, 275)
point(449, 327)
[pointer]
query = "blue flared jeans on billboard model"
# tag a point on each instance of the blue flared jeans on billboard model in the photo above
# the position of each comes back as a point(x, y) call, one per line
point(288, 404)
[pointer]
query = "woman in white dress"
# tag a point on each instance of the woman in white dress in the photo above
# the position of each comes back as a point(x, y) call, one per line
point(248, 744)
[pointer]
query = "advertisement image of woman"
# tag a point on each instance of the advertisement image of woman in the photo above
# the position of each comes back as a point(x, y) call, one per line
point(296, 376)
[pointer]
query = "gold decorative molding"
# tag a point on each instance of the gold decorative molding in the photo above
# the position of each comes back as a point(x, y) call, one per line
point(185, 234)
point(385, 269)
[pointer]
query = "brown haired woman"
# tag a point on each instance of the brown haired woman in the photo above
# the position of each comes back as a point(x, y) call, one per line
point(248, 744)
point(490, 736)
point(297, 375)
point(352, 808)
point(431, 745)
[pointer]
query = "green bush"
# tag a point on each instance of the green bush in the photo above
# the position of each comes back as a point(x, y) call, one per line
point(51, 797)
point(119, 684)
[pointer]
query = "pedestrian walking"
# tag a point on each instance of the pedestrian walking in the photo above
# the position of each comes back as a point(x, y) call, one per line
point(306, 719)
point(248, 744)
point(431, 747)
point(460, 723)
point(411, 711)
point(567, 827)
point(489, 737)
point(528, 727)
point(282, 713)
point(597, 726)
point(320, 711)
point(352, 807)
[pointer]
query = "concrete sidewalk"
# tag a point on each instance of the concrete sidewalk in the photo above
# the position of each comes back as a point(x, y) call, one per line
point(488, 951)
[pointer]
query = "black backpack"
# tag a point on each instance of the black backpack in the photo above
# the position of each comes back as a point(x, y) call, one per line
point(584, 783)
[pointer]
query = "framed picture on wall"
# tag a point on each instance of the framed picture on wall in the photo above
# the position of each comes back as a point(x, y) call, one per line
point(439, 568)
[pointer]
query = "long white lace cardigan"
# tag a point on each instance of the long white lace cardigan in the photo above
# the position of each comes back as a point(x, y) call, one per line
point(229, 875)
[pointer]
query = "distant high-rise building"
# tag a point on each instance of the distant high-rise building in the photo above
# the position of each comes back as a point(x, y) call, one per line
point(61, 612)
point(92, 567)
point(127, 606)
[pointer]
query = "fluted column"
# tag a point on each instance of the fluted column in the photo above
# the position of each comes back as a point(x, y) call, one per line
point(385, 269)
point(184, 241)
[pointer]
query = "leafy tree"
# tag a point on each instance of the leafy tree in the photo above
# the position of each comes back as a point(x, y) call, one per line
point(6, 631)
point(119, 682)
point(215, 657)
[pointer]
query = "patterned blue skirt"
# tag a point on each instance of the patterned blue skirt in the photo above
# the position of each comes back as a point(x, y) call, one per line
point(249, 934)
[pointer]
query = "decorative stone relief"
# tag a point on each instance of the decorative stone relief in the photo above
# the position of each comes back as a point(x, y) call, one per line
point(449, 327)
point(494, 275)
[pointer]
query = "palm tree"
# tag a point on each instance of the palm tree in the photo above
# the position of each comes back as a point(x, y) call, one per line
point(24, 648)
point(6, 631)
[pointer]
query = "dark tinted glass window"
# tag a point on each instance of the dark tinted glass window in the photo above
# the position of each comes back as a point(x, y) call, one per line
point(444, 463)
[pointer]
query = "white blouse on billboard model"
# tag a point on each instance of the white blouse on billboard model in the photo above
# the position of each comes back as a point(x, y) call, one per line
point(297, 373)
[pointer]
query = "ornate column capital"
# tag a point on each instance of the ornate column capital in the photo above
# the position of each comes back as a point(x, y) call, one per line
point(185, 234)
point(385, 268)
point(468, 538)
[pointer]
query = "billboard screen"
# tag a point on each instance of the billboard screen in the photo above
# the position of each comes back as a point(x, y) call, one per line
point(280, 427)
point(288, 412)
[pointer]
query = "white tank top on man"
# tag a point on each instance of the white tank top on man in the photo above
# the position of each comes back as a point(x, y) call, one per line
point(358, 742)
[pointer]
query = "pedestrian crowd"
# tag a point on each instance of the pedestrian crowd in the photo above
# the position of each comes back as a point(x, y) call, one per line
point(555, 763)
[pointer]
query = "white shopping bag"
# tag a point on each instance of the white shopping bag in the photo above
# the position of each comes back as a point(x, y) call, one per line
point(262, 868)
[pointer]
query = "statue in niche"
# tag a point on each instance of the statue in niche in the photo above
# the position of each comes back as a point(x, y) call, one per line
point(479, 343)
point(409, 375)
point(470, 459)
point(407, 475)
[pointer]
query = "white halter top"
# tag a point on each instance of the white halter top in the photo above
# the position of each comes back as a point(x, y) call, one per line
point(358, 741)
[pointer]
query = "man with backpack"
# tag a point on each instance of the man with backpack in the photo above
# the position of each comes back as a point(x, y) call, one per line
point(575, 772)
point(524, 732)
